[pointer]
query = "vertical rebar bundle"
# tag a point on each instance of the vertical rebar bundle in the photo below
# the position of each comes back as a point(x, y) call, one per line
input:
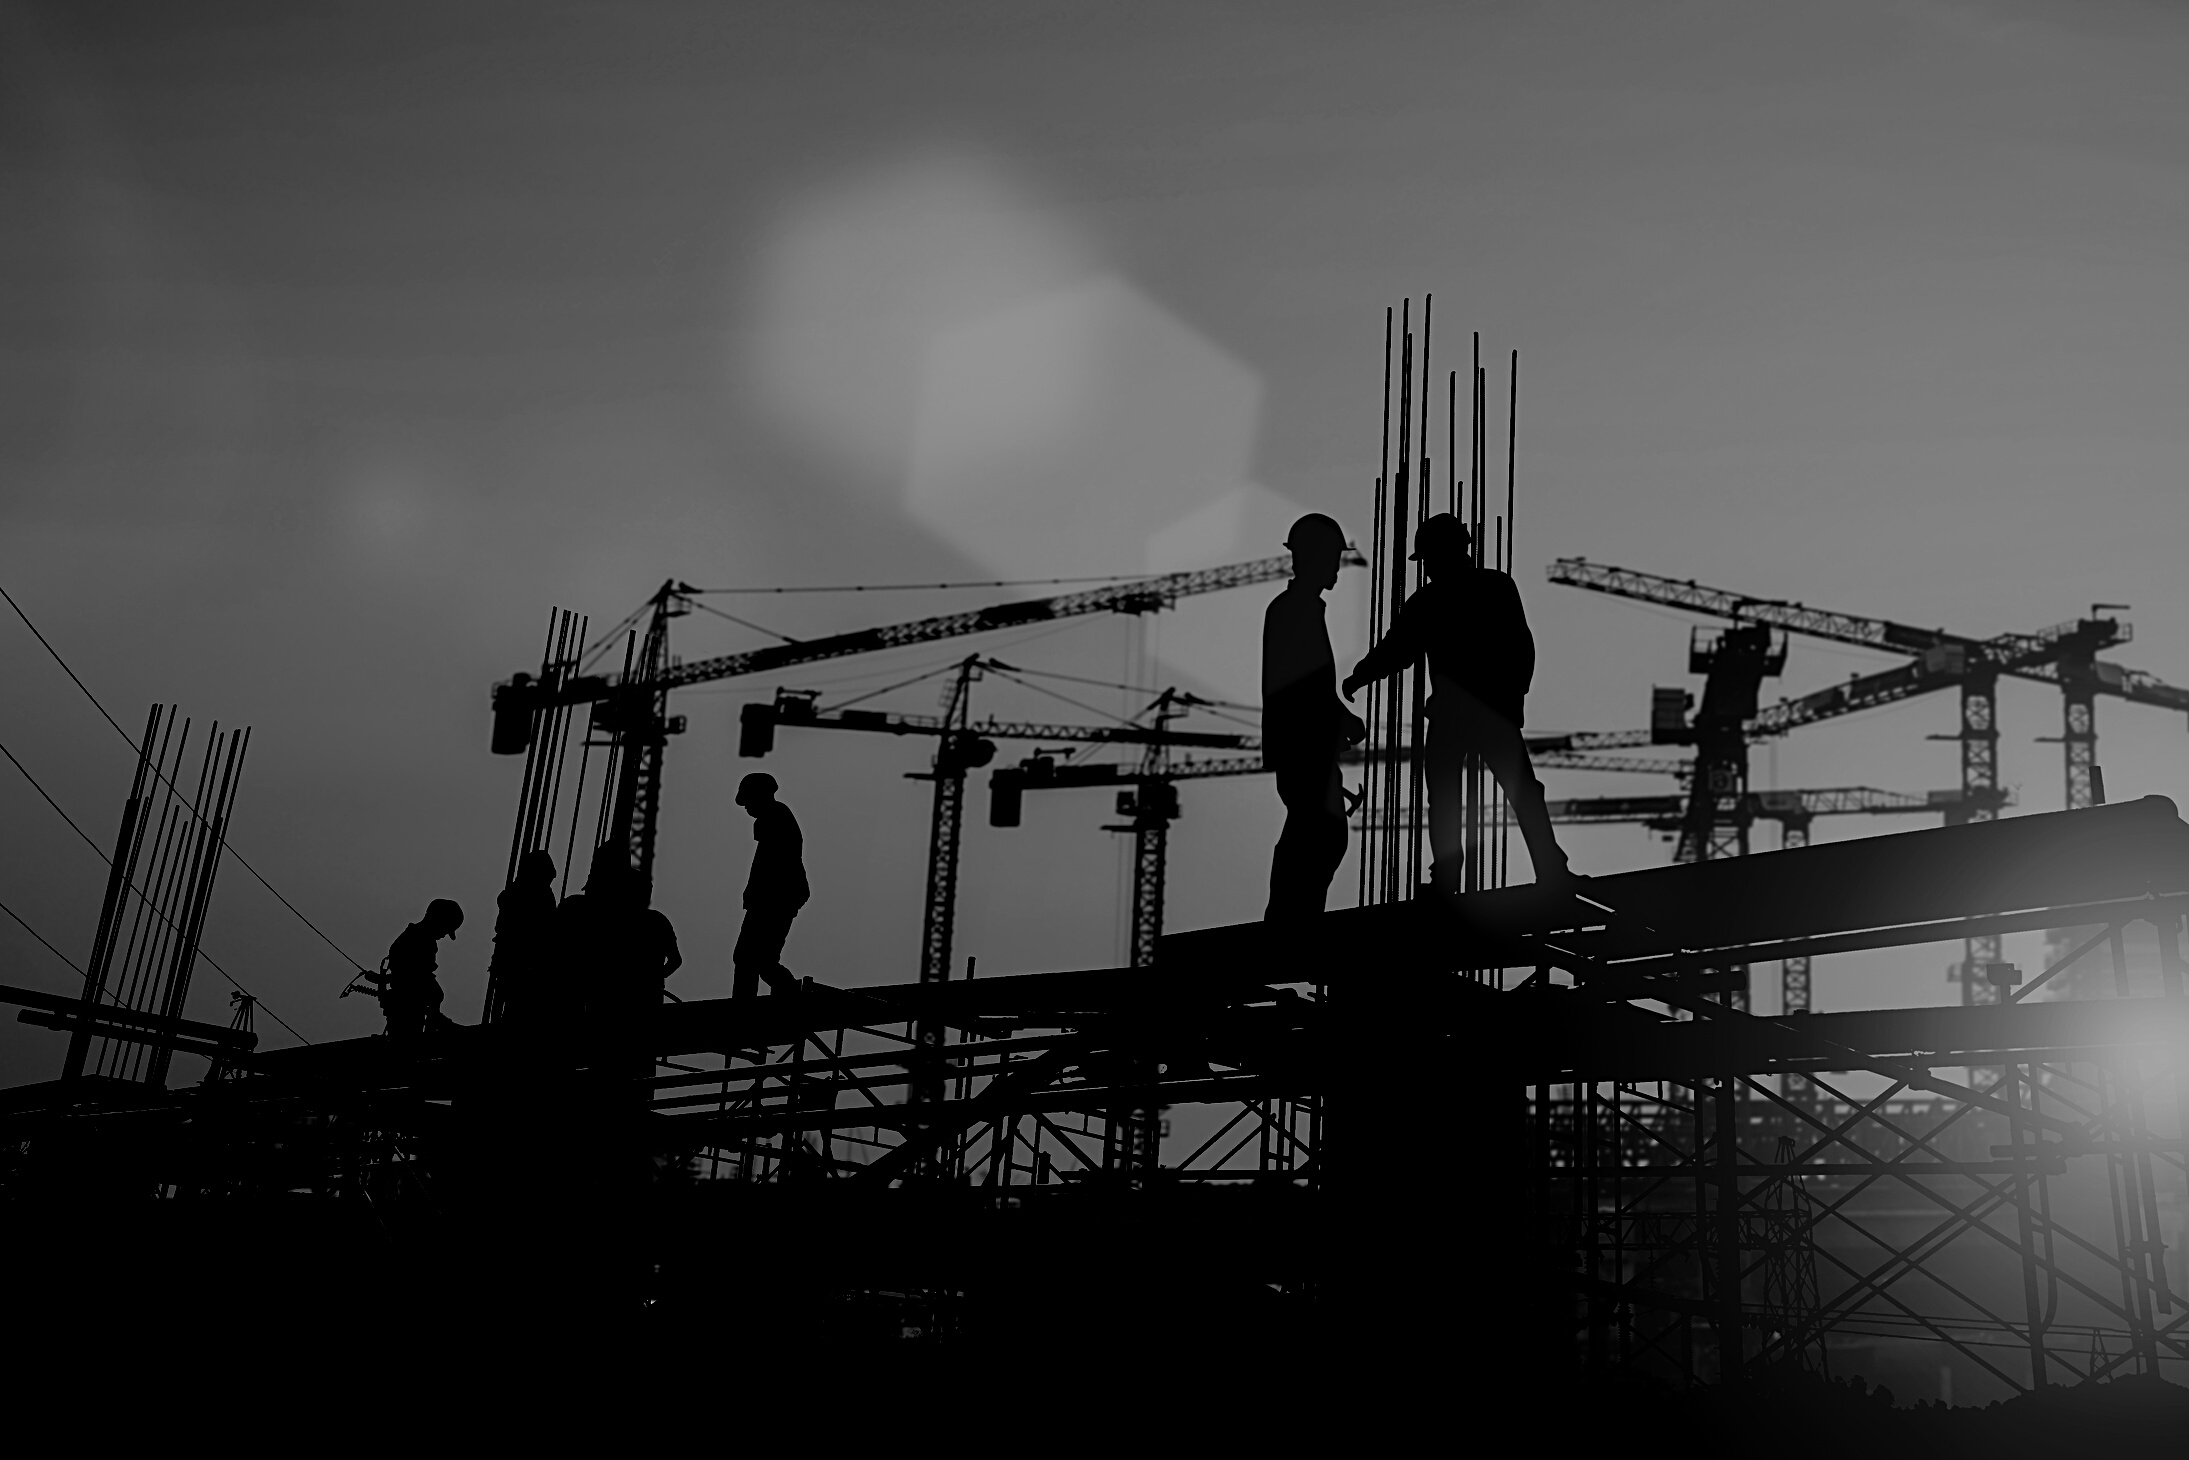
point(547, 748)
point(1394, 784)
point(539, 797)
point(167, 856)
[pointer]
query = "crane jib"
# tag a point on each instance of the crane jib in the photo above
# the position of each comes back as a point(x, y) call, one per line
point(523, 694)
point(864, 641)
point(1938, 659)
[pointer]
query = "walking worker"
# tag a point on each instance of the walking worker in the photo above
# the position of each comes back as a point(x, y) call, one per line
point(775, 890)
point(519, 978)
point(1469, 623)
point(410, 994)
point(1304, 725)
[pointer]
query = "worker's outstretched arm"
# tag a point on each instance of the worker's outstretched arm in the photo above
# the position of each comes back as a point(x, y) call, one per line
point(1400, 650)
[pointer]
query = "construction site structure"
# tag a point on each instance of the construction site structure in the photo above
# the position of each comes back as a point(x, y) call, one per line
point(1517, 1134)
point(630, 725)
point(160, 878)
point(1396, 712)
point(2064, 654)
point(1684, 1216)
point(963, 745)
point(1793, 811)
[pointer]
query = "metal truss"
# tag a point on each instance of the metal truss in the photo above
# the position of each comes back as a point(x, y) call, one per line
point(1059, 1107)
point(1707, 1193)
point(1728, 1222)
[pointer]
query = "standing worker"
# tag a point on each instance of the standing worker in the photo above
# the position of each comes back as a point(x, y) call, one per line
point(1469, 623)
point(633, 952)
point(774, 890)
point(410, 994)
point(1304, 726)
point(519, 978)
point(653, 953)
point(596, 942)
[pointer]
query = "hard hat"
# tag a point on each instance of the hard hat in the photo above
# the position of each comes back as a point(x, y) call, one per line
point(1315, 530)
point(610, 861)
point(1440, 535)
point(754, 786)
point(443, 913)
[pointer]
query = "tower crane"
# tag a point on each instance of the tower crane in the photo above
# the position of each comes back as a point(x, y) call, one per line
point(629, 710)
point(1147, 798)
point(966, 745)
point(2064, 654)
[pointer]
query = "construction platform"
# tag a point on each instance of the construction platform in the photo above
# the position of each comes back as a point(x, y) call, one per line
point(1551, 1108)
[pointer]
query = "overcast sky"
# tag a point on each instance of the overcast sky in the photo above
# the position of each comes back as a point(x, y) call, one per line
point(338, 343)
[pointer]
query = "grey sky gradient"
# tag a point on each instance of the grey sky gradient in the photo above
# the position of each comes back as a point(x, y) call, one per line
point(337, 343)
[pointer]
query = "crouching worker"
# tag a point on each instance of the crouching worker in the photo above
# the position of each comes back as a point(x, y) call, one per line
point(409, 992)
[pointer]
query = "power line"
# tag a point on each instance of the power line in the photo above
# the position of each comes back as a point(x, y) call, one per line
point(100, 853)
point(41, 790)
point(26, 927)
point(41, 638)
point(241, 860)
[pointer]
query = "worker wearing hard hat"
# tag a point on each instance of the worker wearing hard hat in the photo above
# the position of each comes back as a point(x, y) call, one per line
point(520, 978)
point(410, 994)
point(775, 890)
point(1469, 623)
point(1304, 725)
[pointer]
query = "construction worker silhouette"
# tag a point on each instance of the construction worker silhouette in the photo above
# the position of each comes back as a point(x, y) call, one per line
point(651, 953)
point(410, 993)
point(775, 890)
point(1304, 726)
point(586, 934)
point(614, 951)
point(1469, 623)
point(524, 921)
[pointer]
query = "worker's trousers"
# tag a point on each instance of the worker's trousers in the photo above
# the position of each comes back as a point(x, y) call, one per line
point(413, 1010)
point(1461, 725)
point(1313, 841)
point(759, 952)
